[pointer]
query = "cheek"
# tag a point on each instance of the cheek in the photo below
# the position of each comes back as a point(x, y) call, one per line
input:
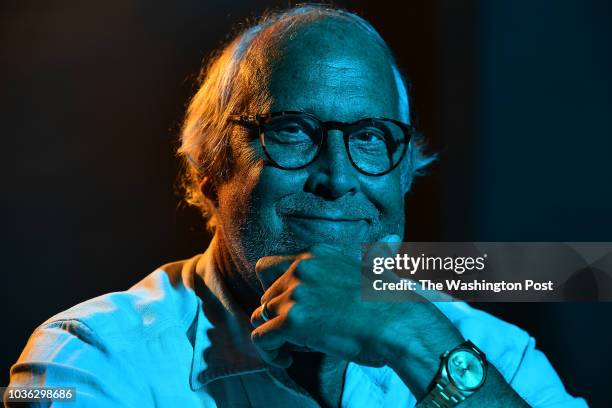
point(236, 196)
point(386, 194)
point(272, 186)
point(250, 196)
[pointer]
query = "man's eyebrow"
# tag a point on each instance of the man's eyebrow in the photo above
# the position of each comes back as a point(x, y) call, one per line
point(357, 116)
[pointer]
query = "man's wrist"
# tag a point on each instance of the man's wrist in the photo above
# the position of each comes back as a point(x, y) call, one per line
point(462, 372)
point(414, 353)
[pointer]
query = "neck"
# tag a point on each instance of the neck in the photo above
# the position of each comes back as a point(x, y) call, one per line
point(240, 279)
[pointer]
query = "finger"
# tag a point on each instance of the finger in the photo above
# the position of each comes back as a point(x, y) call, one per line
point(273, 308)
point(279, 285)
point(390, 238)
point(270, 268)
point(386, 247)
point(391, 246)
point(271, 344)
point(280, 357)
point(393, 241)
point(273, 334)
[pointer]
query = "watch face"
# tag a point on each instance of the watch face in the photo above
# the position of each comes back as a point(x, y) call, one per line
point(465, 369)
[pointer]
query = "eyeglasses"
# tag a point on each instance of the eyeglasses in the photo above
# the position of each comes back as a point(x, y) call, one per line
point(292, 140)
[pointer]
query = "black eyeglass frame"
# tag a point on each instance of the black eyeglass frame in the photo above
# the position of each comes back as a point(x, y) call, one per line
point(259, 121)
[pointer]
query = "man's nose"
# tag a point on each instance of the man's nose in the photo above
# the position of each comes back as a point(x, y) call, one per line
point(332, 174)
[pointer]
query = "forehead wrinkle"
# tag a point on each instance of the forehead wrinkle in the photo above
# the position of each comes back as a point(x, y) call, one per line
point(331, 98)
point(331, 68)
point(346, 74)
point(337, 81)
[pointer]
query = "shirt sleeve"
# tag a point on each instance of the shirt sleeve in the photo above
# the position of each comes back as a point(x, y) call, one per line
point(67, 353)
point(539, 385)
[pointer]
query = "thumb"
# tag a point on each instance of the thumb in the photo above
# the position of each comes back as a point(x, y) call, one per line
point(386, 247)
point(392, 244)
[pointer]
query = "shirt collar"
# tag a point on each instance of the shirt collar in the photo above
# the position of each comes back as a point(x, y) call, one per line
point(221, 331)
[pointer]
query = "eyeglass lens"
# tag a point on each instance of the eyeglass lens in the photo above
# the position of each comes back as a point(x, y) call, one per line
point(374, 145)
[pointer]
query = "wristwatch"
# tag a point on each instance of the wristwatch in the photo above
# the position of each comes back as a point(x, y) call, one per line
point(463, 371)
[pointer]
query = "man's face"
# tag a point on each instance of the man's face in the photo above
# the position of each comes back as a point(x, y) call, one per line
point(263, 210)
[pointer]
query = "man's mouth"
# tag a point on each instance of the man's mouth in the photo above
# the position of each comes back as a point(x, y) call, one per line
point(328, 227)
point(328, 217)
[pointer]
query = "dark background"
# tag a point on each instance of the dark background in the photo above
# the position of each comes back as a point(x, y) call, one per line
point(514, 95)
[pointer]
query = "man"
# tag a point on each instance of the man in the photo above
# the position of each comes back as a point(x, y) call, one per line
point(299, 149)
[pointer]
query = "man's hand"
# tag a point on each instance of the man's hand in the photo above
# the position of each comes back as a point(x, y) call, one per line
point(314, 299)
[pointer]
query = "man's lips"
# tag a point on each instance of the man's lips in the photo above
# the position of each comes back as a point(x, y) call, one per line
point(327, 227)
point(329, 218)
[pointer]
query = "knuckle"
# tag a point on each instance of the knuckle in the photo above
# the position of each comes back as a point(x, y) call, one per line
point(302, 270)
point(304, 255)
point(298, 292)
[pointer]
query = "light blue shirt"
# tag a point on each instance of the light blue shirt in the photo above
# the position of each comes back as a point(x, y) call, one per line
point(160, 344)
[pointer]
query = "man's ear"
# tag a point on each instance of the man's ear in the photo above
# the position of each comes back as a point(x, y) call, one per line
point(209, 189)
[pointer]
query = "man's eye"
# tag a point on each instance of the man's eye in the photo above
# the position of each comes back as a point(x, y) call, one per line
point(369, 136)
point(289, 134)
point(292, 130)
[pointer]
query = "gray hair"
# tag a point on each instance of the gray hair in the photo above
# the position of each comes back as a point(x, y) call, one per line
point(229, 84)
